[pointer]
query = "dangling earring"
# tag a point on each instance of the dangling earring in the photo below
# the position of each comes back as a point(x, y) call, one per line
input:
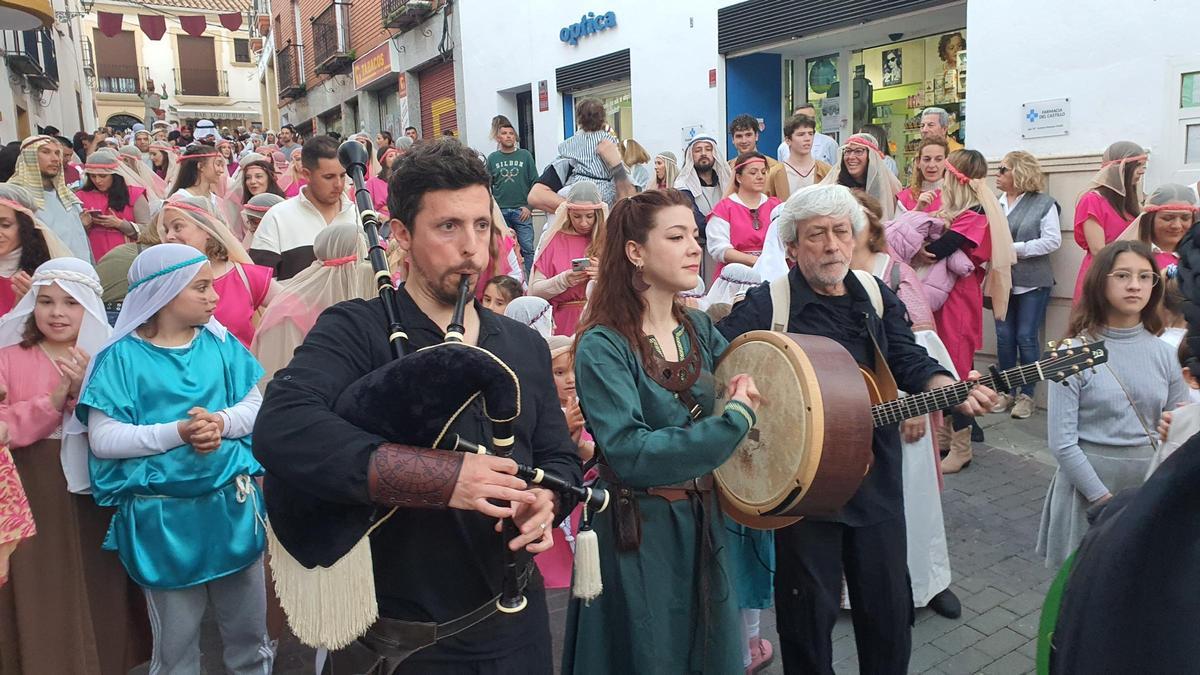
point(639, 281)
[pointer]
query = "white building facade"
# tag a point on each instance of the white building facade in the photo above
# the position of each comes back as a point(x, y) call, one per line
point(46, 85)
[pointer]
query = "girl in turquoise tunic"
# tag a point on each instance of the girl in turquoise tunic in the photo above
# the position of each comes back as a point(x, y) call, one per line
point(170, 402)
point(643, 369)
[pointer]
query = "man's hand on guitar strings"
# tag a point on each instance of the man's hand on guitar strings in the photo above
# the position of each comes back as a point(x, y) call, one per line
point(980, 399)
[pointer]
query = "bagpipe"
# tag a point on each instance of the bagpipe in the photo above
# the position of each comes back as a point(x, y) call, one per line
point(427, 391)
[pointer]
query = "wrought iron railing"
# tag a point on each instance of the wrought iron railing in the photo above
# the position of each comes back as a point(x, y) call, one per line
point(289, 63)
point(31, 53)
point(331, 38)
point(201, 82)
point(405, 14)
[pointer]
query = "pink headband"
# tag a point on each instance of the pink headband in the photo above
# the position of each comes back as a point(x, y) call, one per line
point(960, 176)
point(862, 141)
point(105, 167)
point(571, 206)
point(1135, 158)
point(256, 208)
point(203, 155)
point(1172, 206)
point(749, 161)
point(184, 206)
point(18, 206)
point(338, 262)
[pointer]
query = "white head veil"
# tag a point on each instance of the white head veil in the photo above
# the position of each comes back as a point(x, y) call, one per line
point(880, 183)
point(533, 312)
point(339, 273)
point(735, 280)
point(690, 181)
point(79, 280)
point(582, 196)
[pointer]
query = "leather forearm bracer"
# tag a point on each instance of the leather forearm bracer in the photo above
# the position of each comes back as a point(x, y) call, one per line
point(407, 476)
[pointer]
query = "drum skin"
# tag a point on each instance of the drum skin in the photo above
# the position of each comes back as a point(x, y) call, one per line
point(811, 447)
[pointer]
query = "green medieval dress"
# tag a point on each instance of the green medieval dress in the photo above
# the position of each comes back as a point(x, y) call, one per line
point(651, 617)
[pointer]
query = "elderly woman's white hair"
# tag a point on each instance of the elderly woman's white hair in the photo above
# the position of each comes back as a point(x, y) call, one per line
point(835, 201)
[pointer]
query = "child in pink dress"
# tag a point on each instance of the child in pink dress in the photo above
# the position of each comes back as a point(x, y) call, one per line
point(16, 522)
point(737, 226)
point(576, 233)
point(1114, 184)
point(557, 563)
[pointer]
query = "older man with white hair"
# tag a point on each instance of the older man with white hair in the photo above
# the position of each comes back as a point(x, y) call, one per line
point(865, 540)
point(935, 123)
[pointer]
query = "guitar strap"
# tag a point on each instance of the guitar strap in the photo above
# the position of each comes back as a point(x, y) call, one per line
point(781, 300)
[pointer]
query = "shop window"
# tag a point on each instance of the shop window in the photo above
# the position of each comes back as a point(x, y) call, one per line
point(821, 76)
point(1189, 91)
point(617, 98)
point(1192, 145)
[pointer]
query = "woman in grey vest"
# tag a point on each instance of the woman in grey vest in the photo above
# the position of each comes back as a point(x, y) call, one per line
point(1036, 232)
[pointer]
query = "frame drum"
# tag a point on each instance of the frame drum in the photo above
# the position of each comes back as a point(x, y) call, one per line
point(811, 447)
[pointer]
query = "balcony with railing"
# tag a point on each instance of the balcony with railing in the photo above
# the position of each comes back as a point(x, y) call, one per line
point(289, 66)
point(331, 39)
point(31, 53)
point(201, 82)
point(407, 14)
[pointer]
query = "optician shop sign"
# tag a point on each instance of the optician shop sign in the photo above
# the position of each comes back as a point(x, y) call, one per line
point(589, 24)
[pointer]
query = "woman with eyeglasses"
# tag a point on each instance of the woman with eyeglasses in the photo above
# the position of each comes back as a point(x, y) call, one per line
point(1036, 232)
point(1101, 424)
point(737, 226)
point(860, 166)
point(1168, 214)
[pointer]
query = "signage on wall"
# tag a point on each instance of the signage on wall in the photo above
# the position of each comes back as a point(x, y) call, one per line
point(543, 96)
point(689, 132)
point(373, 65)
point(712, 78)
point(589, 24)
point(1051, 117)
point(402, 88)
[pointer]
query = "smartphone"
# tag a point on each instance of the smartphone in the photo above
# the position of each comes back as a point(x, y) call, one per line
point(93, 212)
point(580, 264)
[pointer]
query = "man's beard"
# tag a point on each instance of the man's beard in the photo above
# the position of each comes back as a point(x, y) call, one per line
point(824, 275)
point(704, 165)
point(445, 288)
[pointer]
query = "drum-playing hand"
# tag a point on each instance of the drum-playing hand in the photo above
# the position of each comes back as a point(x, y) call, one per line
point(741, 388)
point(981, 399)
point(535, 521)
point(912, 429)
point(484, 477)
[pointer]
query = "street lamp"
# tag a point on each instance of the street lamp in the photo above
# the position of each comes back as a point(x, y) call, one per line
point(85, 5)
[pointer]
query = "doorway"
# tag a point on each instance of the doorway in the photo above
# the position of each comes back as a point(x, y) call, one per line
point(525, 121)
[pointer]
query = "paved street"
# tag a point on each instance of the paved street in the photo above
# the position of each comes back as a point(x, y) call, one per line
point(992, 512)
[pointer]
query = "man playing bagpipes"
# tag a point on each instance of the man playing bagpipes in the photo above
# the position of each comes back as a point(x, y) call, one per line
point(353, 485)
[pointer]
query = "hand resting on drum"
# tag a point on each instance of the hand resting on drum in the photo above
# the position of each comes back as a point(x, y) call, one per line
point(741, 388)
point(979, 401)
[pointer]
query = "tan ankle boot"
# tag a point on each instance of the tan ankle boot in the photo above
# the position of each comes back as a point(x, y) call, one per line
point(960, 451)
point(943, 437)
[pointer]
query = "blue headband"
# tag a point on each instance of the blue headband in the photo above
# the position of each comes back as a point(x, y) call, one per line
point(168, 270)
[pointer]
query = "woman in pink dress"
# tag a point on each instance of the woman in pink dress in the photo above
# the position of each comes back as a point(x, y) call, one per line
point(112, 208)
point(566, 257)
point(69, 606)
point(1103, 212)
point(243, 287)
point(1170, 212)
point(295, 173)
point(375, 185)
point(924, 191)
point(979, 228)
point(738, 223)
point(24, 244)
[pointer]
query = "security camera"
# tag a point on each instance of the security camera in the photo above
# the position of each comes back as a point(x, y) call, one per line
point(895, 37)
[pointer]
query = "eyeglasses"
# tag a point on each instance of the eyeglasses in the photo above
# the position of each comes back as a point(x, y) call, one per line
point(1144, 278)
point(1002, 170)
point(754, 219)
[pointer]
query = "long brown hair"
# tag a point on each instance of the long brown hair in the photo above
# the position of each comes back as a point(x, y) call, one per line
point(272, 184)
point(915, 182)
point(1091, 313)
point(1128, 206)
point(876, 235)
point(614, 301)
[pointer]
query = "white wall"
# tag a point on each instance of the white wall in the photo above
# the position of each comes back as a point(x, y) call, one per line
point(1114, 62)
point(62, 108)
point(672, 47)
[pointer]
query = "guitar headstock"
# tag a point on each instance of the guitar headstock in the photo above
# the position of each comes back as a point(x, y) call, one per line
point(1065, 359)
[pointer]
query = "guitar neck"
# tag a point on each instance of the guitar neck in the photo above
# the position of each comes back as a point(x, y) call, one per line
point(906, 407)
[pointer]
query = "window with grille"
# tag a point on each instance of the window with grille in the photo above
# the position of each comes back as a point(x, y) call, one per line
point(241, 50)
point(116, 63)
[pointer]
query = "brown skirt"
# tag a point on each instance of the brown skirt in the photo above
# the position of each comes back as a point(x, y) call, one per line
point(69, 607)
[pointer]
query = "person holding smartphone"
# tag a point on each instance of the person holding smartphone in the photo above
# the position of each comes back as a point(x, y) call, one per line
point(111, 206)
point(567, 257)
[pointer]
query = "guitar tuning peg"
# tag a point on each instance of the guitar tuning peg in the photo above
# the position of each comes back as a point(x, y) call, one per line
point(1075, 369)
point(1050, 344)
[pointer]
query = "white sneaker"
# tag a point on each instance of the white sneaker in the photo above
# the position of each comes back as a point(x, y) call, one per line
point(1003, 404)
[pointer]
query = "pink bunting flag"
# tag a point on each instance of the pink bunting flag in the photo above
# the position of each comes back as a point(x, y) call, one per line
point(232, 21)
point(153, 25)
point(193, 25)
point(109, 23)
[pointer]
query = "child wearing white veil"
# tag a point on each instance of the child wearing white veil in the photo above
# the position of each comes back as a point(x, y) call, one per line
point(169, 402)
point(533, 312)
point(63, 583)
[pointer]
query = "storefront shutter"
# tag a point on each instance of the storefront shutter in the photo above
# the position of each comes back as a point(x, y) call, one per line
point(438, 107)
point(760, 22)
point(197, 66)
point(607, 68)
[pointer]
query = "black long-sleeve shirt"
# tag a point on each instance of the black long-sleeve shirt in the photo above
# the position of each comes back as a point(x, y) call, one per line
point(846, 319)
point(430, 565)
